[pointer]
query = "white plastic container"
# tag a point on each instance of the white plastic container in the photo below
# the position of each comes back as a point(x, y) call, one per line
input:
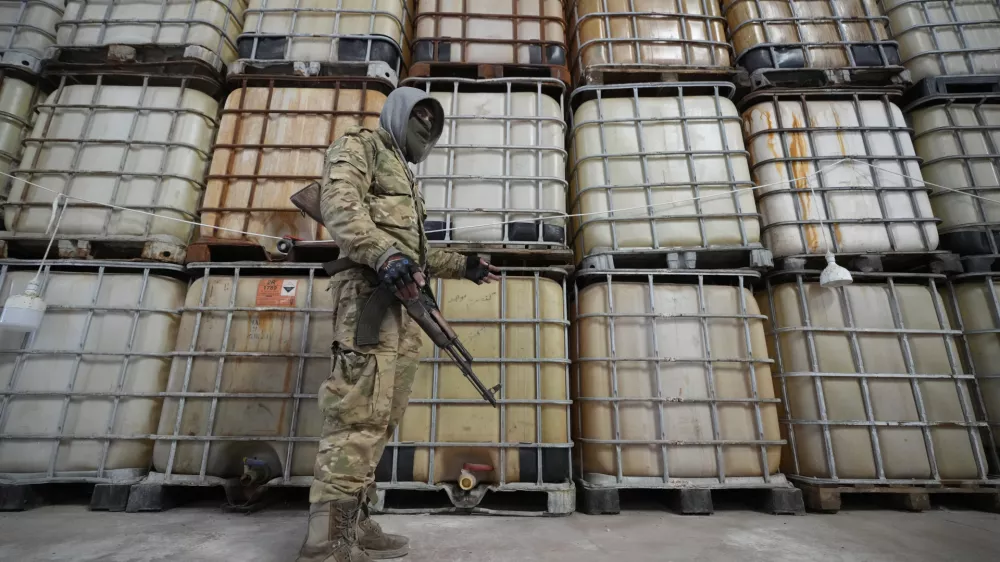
point(140, 147)
point(500, 159)
point(636, 187)
point(872, 381)
point(958, 143)
point(324, 31)
point(268, 407)
point(946, 37)
point(203, 29)
point(27, 29)
point(17, 100)
point(684, 362)
point(296, 127)
point(499, 31)
point(812, 201)
point(79, 395)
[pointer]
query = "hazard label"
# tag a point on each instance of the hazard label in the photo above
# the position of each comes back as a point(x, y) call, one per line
point(277, 292)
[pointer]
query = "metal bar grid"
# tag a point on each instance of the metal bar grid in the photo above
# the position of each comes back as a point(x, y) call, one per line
point(237, 146)
point(818, 228)
point(45, 142)
point(261, 10)
point(808, 25)
point(983, 131)
point(654, 213)
point(14, 28)
point(195, 22)
point(705, 14)
point(614, 318)
point(457, 219)
point(878, 420)
point(83, 356)
point(956, 23)
point(517, 19)
point(303, 353)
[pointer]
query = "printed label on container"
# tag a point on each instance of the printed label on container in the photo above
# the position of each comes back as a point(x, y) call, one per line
point(277, 292)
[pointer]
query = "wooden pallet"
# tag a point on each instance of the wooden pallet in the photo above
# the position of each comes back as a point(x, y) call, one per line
point(24, 247)
point(863, 77)
point(229, 250)
point(103, 497)
point(827, 498)
point(486, 71)
point(625, 74)
point(754, 257)
point(889, 262)
point(778, 500)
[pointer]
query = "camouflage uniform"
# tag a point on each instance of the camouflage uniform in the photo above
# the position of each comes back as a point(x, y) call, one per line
point(370, 204)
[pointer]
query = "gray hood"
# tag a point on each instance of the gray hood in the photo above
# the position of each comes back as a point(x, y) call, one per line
point(396, 115)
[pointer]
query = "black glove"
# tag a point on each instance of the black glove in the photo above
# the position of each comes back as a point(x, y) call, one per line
point(480, 271)
point(397, 272)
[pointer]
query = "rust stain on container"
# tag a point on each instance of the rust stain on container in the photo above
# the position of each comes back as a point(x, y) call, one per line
point(800, 171)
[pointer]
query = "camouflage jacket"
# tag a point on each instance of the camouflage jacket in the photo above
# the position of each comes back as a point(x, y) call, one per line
point(370, 203)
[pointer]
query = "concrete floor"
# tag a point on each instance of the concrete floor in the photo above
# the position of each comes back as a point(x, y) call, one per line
point(70, 532)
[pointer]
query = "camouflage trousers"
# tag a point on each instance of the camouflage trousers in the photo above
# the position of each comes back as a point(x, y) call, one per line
point(366, 394)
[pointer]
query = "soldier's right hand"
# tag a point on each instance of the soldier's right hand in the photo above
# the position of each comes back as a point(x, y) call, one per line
point(401, 273)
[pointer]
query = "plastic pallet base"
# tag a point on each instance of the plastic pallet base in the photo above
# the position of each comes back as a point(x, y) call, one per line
point(694, 501)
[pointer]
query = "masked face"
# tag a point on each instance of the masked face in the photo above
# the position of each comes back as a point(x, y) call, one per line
point(418, 133)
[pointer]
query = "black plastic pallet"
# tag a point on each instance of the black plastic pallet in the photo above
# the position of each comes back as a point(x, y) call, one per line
point(987, 263)
point(161, 60)
point(103, 496)
point(310, 73)
point(828, 498)
point(548, 501)
point(781, 500)
point(625, 74)
point(752, 257)
point(478, 71)
point(935, 90)
point(889, 262)
point(68, 247)
point(223, 251)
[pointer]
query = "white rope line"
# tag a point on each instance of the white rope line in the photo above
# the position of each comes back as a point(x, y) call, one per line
point(611, 213)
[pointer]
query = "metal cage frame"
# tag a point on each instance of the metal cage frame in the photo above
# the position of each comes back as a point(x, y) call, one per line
point(99, 269)
point(636, 43)
point(739, 280)
point(297, 394)
point(507, 86)
point(806, 47)
point(217, 59)
point(22, 57)
point(652, 216)
point(27, 170)
point(23, 122)
point(548, 48)
point(955, 359)
point(959, 27)
point(793, 189)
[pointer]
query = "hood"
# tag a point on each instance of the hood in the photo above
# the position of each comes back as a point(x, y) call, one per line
point(396, 115)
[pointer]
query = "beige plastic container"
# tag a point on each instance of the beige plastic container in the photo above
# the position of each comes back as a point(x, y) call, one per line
point(811, 201)
point(204, 29)
point(81, 149)
point(857, 362)
point(627, 154)
point(958, 145)
point(946, 37)
point(639, 381)
point(27, 29)
point(291, 340)
point(499, 31)
point(500, 159)
point(296, 127)
point(17, 98)
point(81, 382)
point(809, 34)
point(974, 296)
point(324, 31)
point(646, 34)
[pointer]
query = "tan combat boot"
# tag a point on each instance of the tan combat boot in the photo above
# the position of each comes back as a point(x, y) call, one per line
point(332, 536)
point(377, 543)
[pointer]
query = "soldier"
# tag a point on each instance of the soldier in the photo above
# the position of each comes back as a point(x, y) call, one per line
point(371, 207)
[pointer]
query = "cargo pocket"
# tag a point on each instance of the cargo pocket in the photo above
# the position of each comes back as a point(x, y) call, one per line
point(355, 380)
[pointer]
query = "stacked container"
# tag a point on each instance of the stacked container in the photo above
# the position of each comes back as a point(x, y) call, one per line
point(670, 375)
point(111, 167)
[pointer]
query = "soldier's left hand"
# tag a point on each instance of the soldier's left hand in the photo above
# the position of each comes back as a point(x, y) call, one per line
point(480, 271)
